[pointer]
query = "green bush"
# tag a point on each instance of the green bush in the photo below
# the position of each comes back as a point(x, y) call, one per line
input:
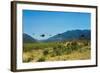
point(41, 59)
point(45, 52)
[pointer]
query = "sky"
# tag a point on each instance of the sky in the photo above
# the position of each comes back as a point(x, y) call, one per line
point(50, 23)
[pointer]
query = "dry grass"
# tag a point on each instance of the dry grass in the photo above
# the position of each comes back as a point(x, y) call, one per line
point(57, 52)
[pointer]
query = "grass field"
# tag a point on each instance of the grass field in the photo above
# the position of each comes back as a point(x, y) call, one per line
point(56, 51)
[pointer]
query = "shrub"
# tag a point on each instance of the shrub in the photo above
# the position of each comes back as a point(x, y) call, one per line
point(41, 59)
point(45, 52)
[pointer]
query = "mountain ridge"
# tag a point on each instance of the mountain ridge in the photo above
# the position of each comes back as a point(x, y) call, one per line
point(71, 35)
point(68, 35)
point(28, 39)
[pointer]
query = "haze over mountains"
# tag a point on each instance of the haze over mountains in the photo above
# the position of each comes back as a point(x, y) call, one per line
point(68, 35)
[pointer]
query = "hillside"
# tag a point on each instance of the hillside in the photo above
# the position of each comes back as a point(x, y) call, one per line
point(28, 39)
point(71, 35)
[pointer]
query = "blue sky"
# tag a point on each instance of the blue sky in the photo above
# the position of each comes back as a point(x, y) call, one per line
point(36, 23)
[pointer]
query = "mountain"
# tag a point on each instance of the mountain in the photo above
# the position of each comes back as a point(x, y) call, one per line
point(71, 35)
point(28, 39)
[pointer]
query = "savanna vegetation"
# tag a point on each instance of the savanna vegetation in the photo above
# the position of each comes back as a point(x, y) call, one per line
point(56, 51)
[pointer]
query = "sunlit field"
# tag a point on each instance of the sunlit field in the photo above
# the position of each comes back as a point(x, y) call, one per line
point(57, 51)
